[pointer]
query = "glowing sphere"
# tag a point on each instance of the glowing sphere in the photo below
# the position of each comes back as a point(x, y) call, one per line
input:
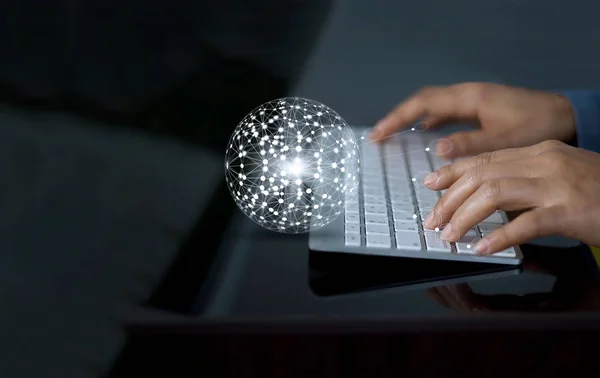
point(290, 165)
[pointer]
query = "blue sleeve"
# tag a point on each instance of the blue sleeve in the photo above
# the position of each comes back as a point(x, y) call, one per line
point(586, 108)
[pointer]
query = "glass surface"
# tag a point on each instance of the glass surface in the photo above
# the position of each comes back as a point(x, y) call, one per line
point(261, 274)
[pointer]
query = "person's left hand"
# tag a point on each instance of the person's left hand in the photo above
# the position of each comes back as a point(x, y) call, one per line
point(557, 183)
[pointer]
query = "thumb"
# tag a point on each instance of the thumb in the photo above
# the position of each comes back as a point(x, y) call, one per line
point(469, 143)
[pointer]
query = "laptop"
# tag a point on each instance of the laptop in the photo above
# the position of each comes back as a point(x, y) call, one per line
point(386, 217)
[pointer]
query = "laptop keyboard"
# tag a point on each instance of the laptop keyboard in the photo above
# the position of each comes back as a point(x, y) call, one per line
point(392, 201)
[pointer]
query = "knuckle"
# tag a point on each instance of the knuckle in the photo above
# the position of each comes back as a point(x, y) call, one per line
point(426, 91)
point(551, 145)
point(472, 94)
point(490, 189)
point(474, 176)
point(483, 159)
point(556, 161)
point(477, 91)
point(536, 224)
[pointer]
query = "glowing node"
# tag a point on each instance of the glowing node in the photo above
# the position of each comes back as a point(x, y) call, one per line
point(274, 146)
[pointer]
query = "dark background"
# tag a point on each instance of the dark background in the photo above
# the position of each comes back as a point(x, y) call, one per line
point(114, 116)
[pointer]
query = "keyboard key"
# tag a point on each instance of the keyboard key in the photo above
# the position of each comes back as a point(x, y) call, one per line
point(426, 204)
point(404, 217)
point(401, 181)
point(510, 252)
point(399, 185)
point(352, 206)
point(408, 240)
point(467, 243)
point(378, 229)
point(375, 209)
point(378, 241)
point(352, 218)
point(435, 243)
point(372, 172)
point(406, 226)
point(472, 233)
point(426, 194)
point(494, 218)
point(401, 196)
point(392, 149)
point(352, 209)
point(376, 219)
point(352, 227)
point(375, 200)
point(438, 163)
point(488, 228)
point(375, 185)
point(375, 192)
point(403, 207)
point(421, 166)
point(353, 239)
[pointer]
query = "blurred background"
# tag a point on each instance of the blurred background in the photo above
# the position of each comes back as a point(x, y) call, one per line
point(114, 116)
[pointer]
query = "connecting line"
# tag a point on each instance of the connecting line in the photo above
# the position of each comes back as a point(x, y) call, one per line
point(389, 176)
point(427, 149)
point(411, 130)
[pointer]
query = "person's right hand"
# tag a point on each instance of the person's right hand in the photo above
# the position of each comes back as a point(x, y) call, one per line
point(508, 117)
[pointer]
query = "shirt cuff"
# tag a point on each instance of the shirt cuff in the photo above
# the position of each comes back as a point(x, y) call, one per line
point(586, 109)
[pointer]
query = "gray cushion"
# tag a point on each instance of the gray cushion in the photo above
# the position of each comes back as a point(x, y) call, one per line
point(90, 218)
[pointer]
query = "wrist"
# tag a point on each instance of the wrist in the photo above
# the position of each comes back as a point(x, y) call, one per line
point(585, 108)
point(566, 119)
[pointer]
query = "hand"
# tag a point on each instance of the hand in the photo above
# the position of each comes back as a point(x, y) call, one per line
point(508, 117)
point(557, 183)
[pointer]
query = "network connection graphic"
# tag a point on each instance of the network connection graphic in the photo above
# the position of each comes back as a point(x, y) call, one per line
point(294, 165)
point(291, 164)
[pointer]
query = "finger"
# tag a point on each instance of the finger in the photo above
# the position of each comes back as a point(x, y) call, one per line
point(469, 143)
point(444, 177)
point(506, 194)
point(439, 103)
point(470, 182)
point(536, 223)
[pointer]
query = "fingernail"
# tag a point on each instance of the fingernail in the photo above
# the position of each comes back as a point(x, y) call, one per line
point(481, 247)
point(444, 148)
point(430, 179)
point(446, 232)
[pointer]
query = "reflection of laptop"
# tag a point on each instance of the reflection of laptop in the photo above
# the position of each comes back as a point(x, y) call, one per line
point(386, 217)
point(333, 274)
